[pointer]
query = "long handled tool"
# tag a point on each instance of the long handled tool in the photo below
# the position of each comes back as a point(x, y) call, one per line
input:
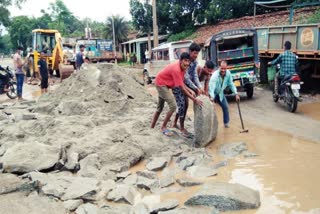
point(243, 130)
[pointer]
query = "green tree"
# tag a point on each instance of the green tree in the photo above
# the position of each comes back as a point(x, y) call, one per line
point(62, 18)
point(142, 17)
point(121, 29)
point(4, 12)
point(20, 30)
point(5, 44)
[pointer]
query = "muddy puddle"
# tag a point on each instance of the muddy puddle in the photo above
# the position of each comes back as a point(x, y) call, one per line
point(285, 172)
point(311, 110)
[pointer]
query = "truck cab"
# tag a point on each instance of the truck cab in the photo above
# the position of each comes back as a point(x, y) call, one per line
point(239, 48)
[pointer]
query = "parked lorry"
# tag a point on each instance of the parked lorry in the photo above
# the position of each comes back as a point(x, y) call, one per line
point(305, 40)
point(98, 50)
point(49, 41)
point(239, 48)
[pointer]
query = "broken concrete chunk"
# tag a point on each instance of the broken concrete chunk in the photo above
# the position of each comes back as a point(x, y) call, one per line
point(225, 197)
point(188, 182)
point(27, 157)
point(147, 174)
point(201, 171)
point(157, 164)
point(124, 193)
point(164, 206)
point(72, 205)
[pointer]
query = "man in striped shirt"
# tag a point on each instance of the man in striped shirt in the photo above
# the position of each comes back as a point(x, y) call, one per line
point(288, 63)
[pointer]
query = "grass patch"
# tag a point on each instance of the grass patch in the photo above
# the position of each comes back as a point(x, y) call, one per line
point(182, 35)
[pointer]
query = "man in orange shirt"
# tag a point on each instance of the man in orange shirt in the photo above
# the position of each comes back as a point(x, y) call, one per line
point(170, 77)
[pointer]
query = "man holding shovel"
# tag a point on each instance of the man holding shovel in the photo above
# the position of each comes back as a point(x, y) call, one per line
point(220, 80)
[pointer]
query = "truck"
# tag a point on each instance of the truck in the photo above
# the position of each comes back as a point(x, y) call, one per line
point(49, 41)
point(239, 48)
point(98, 50)
point(305, 40)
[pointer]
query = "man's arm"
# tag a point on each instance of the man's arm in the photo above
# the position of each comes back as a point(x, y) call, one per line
point(276, 61)
point(188, 81)
point(233, 87)
point(188, 94)
point(212, 86)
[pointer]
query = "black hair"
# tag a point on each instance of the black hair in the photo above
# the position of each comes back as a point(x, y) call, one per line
point(87, 58)
point(184, 55)
point(209, 64)
point(82, 46)
point(194, 47)
point(20, 48)
point(287, 45)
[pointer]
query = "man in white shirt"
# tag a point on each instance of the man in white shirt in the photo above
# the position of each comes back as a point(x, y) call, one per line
point(17, 63)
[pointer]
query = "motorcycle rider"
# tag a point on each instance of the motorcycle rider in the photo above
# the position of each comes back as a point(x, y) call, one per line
point(288, 64)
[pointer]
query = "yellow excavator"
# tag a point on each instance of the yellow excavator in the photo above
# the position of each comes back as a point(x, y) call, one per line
point(50, 42)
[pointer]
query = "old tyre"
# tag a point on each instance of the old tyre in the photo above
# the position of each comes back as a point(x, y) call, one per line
point(12, 93)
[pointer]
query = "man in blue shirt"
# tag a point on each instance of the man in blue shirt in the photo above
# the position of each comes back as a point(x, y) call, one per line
point(288, 63)
point(220, 80)
point(80, 57)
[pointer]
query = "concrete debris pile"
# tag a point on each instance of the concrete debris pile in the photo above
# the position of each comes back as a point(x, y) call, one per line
point(71, 152)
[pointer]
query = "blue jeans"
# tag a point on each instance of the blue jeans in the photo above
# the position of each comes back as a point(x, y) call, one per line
point(225, 108)
point(20, 79)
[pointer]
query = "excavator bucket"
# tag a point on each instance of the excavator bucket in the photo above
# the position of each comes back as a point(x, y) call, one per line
point(65, 71)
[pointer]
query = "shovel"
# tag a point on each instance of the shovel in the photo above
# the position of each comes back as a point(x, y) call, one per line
point(243, 130)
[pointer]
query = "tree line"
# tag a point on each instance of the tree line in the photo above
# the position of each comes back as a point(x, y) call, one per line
point(173, 16)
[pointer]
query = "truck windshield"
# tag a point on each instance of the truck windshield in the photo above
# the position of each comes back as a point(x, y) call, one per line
point(44, 42)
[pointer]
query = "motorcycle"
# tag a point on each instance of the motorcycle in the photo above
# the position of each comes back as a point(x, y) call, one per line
point(289, 91)
point(7, 83)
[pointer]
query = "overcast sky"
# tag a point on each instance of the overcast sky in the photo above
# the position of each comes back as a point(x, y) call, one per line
point(97, 10)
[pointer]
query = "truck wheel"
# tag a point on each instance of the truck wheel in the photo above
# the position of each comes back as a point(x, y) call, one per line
point(249, 91)
point(263, 70)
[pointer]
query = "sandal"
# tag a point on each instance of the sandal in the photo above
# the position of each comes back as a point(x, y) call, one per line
point(167, 132)
point(187, 134)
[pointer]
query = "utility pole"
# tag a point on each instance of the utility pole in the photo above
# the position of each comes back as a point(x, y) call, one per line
point(114, 42)
point(155, 25)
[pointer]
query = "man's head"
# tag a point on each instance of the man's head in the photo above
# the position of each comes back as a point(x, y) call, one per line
point(42, 55)
point(223, 68)
point(287, 45)
point(208, 67)
point(19, 49)
point(82, 48)
point(184, 60)
point(194, 51)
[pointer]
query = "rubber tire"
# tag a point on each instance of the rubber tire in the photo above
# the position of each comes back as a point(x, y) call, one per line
point(12, 94)
point(275, 98)
point(249, 91)
point(294, 104)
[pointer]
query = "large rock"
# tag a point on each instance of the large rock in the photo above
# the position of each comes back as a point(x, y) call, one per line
point(17, 203)
point(225, 196)
point(205, 123)
point(66, 186)
point(27, 157)
point(230, 150)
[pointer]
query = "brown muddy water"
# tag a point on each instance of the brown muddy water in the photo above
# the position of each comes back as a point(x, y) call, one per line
point(311, 110)
point(285, 172)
